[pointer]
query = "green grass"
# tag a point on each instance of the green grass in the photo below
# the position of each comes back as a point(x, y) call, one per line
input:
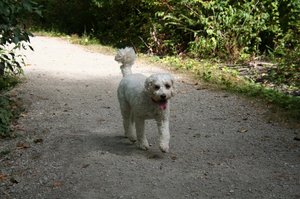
point(230, 80)
point(9, 108)
point(49, 33)
point(8, 81)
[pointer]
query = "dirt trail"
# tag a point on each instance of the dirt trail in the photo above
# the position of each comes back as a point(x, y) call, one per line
point(71, 141)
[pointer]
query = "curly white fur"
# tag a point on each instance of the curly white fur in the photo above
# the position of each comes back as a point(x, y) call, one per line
point(143, 98)
point(127, 57)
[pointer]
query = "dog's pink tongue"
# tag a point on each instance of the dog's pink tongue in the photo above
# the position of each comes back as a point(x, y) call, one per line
point(163, 105)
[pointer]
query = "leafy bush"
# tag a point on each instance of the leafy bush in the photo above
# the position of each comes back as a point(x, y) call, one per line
point(231, 30)
point(13, 34)
point(288, 52)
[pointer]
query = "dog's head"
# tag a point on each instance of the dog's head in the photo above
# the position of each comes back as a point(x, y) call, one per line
point(160, 87)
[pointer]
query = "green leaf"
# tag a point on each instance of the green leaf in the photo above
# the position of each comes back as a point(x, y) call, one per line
point(210, 31)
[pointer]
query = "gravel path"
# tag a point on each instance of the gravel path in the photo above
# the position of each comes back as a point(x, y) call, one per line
point(71, 144)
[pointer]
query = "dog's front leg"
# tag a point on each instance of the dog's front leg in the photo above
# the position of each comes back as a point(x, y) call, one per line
point(142, 141)
point(164, 135)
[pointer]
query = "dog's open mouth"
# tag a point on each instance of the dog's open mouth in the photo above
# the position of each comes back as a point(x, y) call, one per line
point(162, 104)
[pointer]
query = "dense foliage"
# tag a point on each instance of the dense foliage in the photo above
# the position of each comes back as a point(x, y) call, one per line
point(13, 33)
point(228, 29)
point(13, 36)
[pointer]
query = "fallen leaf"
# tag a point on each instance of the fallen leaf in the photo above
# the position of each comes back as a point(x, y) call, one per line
point(101, 120)
point(57, 184)
point(242, 130)
point(18, 127)
point(22, 145)
point(2, 177)
point(173, 157)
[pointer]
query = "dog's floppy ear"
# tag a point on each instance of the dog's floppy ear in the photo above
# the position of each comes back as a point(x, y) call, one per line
point(148, 83)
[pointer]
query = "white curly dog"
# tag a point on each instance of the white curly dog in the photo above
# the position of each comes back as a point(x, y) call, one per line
point(143, 98)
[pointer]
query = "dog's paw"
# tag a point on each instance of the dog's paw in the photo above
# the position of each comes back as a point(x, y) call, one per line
point(164, 148)
point(143, 145)
point(132, 138)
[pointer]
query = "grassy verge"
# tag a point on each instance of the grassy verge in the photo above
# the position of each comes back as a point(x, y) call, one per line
point(9, 106)
point(228, 79)
point(213, 72)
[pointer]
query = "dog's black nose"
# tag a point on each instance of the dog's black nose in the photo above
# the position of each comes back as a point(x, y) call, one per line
point(163, 96)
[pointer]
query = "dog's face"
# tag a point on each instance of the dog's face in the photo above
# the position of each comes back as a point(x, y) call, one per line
point(160, 87)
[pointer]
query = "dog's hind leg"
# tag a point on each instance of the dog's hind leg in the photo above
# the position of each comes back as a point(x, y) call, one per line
point(128, 122)
point(142, 141)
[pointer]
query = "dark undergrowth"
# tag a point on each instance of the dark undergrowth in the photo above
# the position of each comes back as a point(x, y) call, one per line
point(10, 106)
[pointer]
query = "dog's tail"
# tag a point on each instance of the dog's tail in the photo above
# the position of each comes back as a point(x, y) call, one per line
point(127, 57)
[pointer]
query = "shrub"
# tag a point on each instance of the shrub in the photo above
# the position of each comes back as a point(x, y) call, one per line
point(13, 34)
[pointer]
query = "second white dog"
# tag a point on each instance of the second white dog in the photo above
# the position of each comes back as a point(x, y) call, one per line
point(143, 98)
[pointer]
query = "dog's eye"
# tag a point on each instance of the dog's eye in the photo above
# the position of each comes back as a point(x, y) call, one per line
point(156, 87)
point(168, 86)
